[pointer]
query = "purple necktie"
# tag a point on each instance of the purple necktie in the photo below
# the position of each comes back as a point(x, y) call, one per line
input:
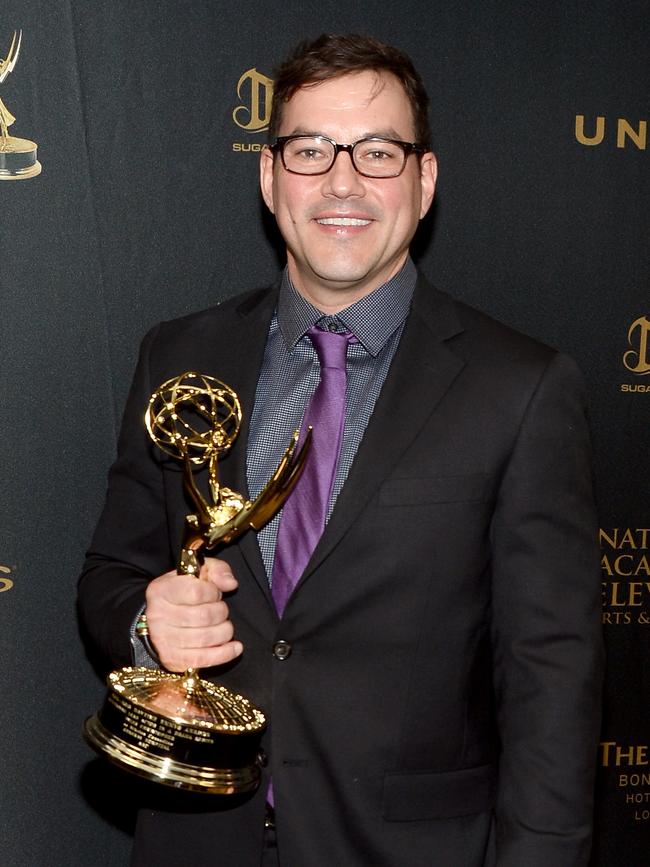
point(305, 513)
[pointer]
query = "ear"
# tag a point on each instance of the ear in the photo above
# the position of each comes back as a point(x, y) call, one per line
point(266, 177)
point(428, 175)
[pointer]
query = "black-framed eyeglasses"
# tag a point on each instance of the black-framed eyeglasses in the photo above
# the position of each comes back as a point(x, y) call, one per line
point(373, 157)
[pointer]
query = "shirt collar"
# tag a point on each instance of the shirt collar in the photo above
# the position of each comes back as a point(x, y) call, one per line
point(372, 319)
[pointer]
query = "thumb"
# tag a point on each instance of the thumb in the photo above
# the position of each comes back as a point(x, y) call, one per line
point(219, 573)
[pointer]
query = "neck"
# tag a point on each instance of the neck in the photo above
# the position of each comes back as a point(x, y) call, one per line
point(331, 298)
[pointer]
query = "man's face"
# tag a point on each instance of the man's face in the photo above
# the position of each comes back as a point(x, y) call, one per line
point(347, 234)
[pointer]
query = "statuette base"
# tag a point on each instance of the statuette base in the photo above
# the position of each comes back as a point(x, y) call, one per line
point(158, 769)
point(18, 159)
point(179, 730)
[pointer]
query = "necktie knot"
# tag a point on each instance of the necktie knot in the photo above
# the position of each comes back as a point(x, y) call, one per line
point(331, 346)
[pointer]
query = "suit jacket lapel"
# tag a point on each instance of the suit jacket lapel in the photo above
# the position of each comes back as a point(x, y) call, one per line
point(237, 361)
point(420, 374)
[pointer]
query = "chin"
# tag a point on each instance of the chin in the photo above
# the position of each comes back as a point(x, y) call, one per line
point(345, 274)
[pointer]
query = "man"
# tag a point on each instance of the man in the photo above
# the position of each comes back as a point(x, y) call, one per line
point(433, 678)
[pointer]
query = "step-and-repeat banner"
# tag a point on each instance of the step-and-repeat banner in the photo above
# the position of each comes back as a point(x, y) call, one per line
point(148, 119)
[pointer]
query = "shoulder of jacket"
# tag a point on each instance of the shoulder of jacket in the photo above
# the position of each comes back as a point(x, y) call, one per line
point(478, 335)
point(219, 315)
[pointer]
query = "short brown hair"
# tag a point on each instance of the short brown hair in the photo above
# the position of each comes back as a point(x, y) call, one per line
point(331, 56)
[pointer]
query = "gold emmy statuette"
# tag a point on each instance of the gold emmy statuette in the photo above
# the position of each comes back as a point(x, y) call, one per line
point(179, 729)
point(17, 155)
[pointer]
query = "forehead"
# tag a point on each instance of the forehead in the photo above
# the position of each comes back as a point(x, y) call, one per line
point(356, 104)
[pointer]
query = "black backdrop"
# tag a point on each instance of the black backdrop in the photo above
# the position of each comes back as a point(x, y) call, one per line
point(147, 208)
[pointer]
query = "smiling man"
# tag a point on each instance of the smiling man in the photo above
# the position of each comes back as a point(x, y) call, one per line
point(421, 622)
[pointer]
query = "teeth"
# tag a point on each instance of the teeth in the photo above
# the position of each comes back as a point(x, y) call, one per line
point(342, 221)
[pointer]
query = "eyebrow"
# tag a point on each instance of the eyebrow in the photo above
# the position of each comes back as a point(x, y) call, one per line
point(382, 133)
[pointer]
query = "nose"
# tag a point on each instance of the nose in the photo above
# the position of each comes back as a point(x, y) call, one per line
point(343, 180)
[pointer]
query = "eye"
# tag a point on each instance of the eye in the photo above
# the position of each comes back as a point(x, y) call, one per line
point(378, 155)
point(306, 151)
point(378, 152)
point(308, 154)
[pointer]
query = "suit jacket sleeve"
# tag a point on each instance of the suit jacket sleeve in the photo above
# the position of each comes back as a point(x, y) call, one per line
point(131, 542)
point(546, 631)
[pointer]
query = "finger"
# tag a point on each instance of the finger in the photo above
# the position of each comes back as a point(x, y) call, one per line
point(209, 614)
point(203, 638)
point(177, 589)
point(181, 660)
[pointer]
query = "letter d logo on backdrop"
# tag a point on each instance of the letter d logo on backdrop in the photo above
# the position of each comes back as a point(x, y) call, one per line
point(637, 359)
point(255, 90)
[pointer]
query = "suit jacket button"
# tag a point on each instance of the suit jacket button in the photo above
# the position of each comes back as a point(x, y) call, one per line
point(281, 650)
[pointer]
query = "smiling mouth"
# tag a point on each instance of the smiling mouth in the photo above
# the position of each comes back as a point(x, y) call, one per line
point(342, 221)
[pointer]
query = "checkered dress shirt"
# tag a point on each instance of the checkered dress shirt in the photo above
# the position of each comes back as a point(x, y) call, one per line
point(291, 371)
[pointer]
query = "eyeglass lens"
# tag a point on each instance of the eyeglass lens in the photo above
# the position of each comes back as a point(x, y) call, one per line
point(307, 155)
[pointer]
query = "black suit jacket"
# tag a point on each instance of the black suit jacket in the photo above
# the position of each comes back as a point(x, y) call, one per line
point(440, 705)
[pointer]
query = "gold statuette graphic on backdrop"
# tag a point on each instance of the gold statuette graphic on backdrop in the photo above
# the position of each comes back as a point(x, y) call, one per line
point(17, 155)
point(179, 729)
